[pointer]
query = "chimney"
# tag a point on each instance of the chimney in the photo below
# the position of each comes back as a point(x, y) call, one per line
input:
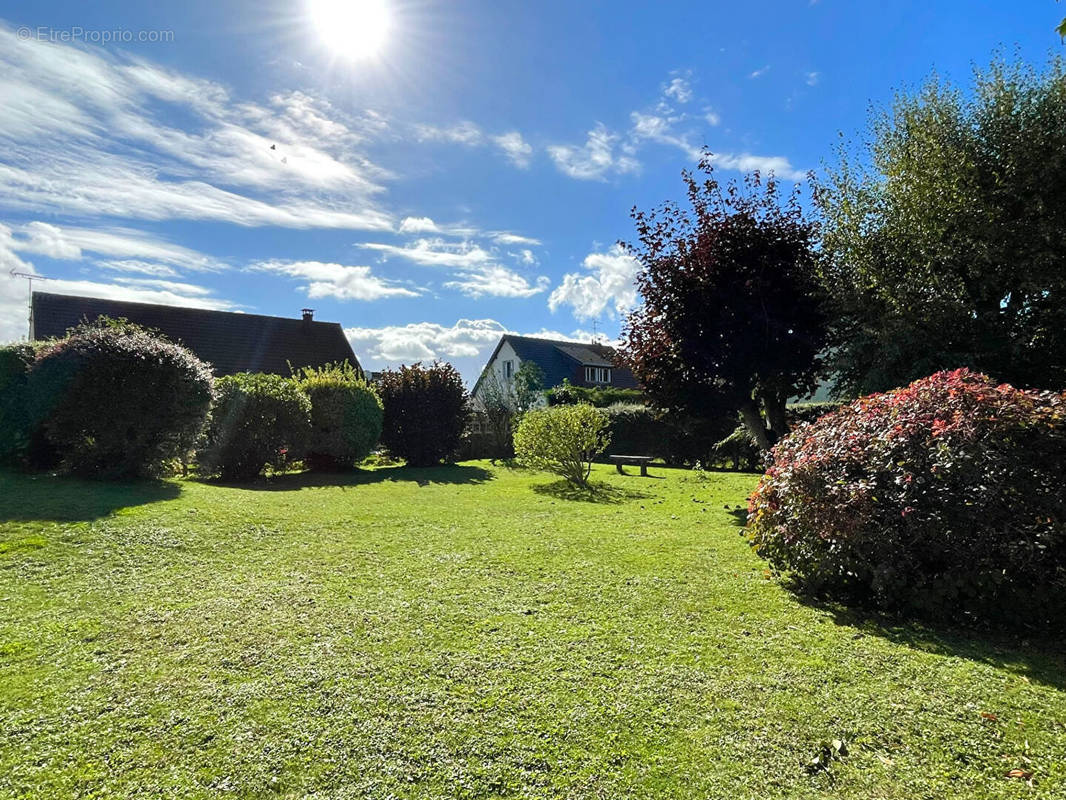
point(308, 316)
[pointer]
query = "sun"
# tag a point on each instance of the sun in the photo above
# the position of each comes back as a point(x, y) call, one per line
point(352, 29)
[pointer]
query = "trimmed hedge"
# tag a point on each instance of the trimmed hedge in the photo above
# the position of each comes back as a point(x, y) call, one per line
point(113, 400)
point(637, 430)
point(942, 499)
point(346, 416)
point(425, 413)
point(566, 394)
point(15, 423)
point(257, 420)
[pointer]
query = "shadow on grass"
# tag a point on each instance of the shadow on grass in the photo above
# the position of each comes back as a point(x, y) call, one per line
point(1038, 657)
point(30, 498)
point(595, 492)
point(423, 476)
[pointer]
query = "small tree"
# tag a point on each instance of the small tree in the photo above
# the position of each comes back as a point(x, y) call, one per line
point(502, 402)
point(731, 316)
point(562, 440)
point(425, 412)
point(346, 416)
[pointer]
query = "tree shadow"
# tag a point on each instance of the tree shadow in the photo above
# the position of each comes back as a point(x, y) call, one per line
point(1036, 656)
point(595, 492)
point(52, 498)
point(423, 476)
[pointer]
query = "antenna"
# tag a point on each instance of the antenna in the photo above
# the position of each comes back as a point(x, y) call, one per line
point(30, 278)
point(595, 332)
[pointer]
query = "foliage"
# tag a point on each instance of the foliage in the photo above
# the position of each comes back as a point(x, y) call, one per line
point(637, 430)
point(425, 412)
point(562, 440)
point(943, 497)
point(346, 416)
point(739, 449)
point(943, 238)
point(15, 362)
point(566, 394)
point(115, 400)
point(528, 386)
point(257, 420)
point(731, 316)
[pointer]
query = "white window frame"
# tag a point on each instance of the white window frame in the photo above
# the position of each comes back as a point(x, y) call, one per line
point(599, 375)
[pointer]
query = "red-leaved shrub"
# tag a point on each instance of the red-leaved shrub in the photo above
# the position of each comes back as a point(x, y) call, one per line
point(944, 499)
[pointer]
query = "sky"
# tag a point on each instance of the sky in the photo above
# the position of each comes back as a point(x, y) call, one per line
point(428, 173)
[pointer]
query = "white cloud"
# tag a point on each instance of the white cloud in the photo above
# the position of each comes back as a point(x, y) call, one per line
point(418, 225)
point(679, 89)
point(526, 257)
point(760, 72)
point(660, 129)
point(497, 281)
point(465, 132)
point(712, 117)
point(337, 280)
point(512, 239)
point(609, 286)
point(595, 159)
point(780, 166)
point(515, 148)
point(436, 253)
point(424, 341)
point(88, 132)
point(813, 78)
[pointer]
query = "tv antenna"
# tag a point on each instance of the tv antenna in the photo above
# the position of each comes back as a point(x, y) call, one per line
point(30, 277)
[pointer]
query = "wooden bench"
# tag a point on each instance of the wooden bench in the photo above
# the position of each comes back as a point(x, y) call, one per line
point(643, 461)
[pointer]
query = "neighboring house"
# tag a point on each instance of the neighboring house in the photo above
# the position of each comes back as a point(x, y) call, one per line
point(229, 341)
point(583, 364)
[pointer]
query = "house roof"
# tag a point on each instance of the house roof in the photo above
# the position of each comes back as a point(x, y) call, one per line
point(560, 360)
point(229, 341)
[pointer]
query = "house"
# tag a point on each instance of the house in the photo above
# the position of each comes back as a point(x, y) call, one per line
point(231, 342)
point(581, 363)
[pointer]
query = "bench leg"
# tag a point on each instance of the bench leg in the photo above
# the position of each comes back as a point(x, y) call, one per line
point(644, 470)
point(618, 466)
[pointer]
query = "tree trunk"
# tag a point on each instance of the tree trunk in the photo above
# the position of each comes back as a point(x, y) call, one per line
point(775, 413)
point(753, 421)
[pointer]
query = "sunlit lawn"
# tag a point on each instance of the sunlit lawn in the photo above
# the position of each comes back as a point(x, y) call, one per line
point(473, 632)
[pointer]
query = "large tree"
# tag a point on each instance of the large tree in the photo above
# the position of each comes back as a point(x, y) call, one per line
point(945, 235)
point(731, 317)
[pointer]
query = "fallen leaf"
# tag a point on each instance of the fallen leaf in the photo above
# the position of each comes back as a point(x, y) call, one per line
point(1024, 774)
point(989, 715)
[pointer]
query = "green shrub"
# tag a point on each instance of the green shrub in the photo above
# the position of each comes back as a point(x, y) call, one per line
point(425, 413)
point(637, 430)
point(941, 499)
point(114, 400)
point(566, 394)
point(346, 416)
point(257, 420)
point(15, 424)
point(563, 440)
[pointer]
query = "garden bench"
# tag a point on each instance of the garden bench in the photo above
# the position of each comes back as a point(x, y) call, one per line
point(643, 461)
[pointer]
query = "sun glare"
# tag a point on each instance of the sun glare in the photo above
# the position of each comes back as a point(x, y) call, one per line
point(351, 28)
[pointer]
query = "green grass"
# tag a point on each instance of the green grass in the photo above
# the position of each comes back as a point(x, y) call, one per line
point(473, 632)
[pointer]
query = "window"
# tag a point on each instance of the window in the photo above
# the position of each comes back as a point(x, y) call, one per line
point(597, 374)
point(508, 370)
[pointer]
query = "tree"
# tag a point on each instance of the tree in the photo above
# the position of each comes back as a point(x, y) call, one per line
point(731, 316)
point(943, 239)
point(563, 440)
point(503, 401)
point(425, 412)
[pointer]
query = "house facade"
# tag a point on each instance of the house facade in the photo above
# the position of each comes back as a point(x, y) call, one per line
point(231, 342)
point(582, 364)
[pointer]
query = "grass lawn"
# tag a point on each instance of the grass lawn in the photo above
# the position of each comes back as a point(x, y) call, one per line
point(473, 631)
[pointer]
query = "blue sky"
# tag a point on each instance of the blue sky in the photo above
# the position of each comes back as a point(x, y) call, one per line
point(470, 177)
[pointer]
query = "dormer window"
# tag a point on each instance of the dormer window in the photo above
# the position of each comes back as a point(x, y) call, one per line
point(597, 374)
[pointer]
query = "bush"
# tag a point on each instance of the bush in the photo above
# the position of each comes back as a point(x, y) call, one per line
point(637, 430)
point(941, 498)
point(15, 362)
point(425, 412)
point(566, 394)
point(345, 416)
point(563, 440)
point(115, 400)
point(257, 420)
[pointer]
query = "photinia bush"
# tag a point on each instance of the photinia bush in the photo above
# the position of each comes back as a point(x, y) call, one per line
point(425, 413)
point(944, 499)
